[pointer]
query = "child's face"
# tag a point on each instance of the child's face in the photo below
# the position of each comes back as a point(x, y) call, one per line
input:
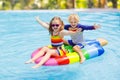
point(56, 24)
point(73, 22)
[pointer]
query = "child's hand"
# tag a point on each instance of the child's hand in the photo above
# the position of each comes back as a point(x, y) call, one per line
point(37, 17)
point(79, 30)
point(96, 26)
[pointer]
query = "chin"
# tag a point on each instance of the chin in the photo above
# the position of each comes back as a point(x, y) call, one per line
point(73, 26)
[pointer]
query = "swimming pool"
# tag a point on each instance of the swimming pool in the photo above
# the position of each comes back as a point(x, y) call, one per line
point(20, 35)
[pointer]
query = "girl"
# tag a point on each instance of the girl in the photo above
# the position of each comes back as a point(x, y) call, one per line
point(57, 32)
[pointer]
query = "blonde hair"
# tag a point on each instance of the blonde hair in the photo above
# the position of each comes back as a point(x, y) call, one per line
point(61, 23)
point(75, 16)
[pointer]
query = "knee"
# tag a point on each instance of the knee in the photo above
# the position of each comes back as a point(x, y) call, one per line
point(49, 52)
point(76, 47)
point(45, 48)
point(65, 41)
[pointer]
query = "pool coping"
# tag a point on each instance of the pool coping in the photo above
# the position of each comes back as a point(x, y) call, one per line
point(64, 10)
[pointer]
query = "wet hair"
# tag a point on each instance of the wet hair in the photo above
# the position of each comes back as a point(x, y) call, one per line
point(75, 16)
point(50, 25)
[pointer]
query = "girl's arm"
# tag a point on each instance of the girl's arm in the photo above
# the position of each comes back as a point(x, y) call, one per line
point(45, 25)
point(66, 32)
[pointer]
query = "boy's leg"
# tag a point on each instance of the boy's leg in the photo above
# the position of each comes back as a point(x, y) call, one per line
point(77, 49)
point(65, 41)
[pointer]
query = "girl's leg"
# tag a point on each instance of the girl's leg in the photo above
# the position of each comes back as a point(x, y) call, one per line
point(40, 53)
point(46, 57)
point(77, 49)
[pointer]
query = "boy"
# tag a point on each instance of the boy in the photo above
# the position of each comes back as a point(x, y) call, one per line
point(77, 41)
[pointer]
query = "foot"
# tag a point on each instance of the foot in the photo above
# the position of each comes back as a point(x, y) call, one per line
point(82, 60)
point(29, 61)
point(36, 66)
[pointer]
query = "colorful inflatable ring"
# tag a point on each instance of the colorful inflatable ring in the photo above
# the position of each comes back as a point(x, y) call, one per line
point(91, 50)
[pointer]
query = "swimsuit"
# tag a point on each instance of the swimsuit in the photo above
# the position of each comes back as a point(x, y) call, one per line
point(57, 43)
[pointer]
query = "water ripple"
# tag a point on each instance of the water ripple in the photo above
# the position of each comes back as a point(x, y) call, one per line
point(20, 35)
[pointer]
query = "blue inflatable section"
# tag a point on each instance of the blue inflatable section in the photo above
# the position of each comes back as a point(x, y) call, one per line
point(93, 48)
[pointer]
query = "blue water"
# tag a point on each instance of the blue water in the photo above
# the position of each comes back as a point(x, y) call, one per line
point(20, 35)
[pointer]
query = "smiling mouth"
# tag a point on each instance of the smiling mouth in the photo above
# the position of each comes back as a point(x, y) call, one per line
point(55, 28)
point(73, 25)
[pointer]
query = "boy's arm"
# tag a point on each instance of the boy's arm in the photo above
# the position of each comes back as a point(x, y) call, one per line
point(96, 26)
point(66, 27)
point(45, 25)
point(85, 27)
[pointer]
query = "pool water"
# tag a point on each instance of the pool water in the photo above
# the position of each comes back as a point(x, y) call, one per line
point(20, 35)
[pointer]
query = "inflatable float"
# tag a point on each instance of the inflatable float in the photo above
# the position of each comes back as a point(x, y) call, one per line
point(93, 48)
